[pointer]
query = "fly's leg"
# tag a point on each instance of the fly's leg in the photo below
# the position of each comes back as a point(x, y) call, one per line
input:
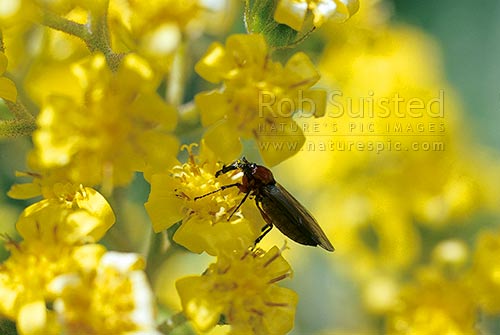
point(267, 227)
point(222, 189)
point(239, 205)
point(218, 190)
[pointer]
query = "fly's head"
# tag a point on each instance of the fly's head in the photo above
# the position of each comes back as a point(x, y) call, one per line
point(247, 167)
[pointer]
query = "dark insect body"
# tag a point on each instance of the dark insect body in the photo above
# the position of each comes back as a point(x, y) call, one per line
point(276, 205)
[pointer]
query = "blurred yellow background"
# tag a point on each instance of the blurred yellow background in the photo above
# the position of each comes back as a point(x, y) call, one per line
point(410, 198)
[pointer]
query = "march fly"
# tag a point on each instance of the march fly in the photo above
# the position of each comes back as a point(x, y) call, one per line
point(276, 205)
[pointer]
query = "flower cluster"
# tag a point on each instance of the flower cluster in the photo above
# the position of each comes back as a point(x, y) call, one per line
point(100, 118)
point(484, 277)
point(59, 262)
point(155, 29)
point(108, 131)
point(294, 12)
point(434, 305)
point(137, 214)
point(241, 290)
point(394, 209)
point(109, 294)
point(208, 223)
point(448, 295)
point(257, 91)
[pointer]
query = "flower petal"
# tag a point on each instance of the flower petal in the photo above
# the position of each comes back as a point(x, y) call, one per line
point(323, 10)
point(313, 102)
point(212, 106)
point(202, 312)
point(280, 319)
point(98, 207)
point(32, 318)
point(247, 50)
point(163, 207)
point(223, 141)
point(8, 89)
point(224, 235)
point(302, 71)
point(292, 13)
point(24, 191)
point(276, 147)
point(3, 63)
point(213, 66)
point(9, 294)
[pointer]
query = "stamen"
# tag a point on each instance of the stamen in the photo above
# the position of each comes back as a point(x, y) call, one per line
point(277, 279)
point(256, 311)
point(272, 259)
point(276, 304)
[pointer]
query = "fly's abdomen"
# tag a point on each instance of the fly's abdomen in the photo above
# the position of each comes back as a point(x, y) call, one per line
point(280, 218)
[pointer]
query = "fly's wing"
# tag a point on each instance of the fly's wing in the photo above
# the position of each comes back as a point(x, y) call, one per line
point(291, 218)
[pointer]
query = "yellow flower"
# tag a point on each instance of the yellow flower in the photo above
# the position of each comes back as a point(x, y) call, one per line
point(8, 89)
point(52, 74)
point(25, 12)
point(52, 184)
point(293, 12)
point(241, 291)
point(55, 230)
point(205, 225)
point(434, 304)
point(156, 29)
point(258, 93)
point(16, 12)
point(77, 215)
point(70, 213)
point(366, 82)
point(64, 6)
point(25, 276)
point(485, 277)
point(365, 224)
point(153, 29)
point(110, 296)
point(367, 218)
point(116, 127)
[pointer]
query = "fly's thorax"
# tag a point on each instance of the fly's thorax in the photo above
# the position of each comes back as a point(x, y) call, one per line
point(264, 175)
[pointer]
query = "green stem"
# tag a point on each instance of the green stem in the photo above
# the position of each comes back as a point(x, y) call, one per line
point(57, 22)
point(99, 39)
point(95, 34)
point(247, 18)
point(116, 238)
point(7, 327)
point(159, 246)
point(175, 321)
point(177, 78)
point(16, 128)
point(19, 110)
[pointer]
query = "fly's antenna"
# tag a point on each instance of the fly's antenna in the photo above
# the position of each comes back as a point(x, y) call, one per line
point(226, 168)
